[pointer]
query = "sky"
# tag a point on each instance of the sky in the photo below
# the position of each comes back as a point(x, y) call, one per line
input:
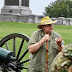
point(36, 6)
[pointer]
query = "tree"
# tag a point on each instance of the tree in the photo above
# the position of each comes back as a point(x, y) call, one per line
point(59, 8)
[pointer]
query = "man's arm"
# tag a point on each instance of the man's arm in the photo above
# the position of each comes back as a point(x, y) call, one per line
point(35, 47)
point(58, 41)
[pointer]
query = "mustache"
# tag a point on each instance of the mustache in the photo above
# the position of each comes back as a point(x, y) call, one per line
point(50, 28)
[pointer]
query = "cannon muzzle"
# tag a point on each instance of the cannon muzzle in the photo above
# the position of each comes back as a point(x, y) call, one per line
point(6, 56)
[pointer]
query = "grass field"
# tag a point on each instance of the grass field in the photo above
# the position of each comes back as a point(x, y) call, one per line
point(7, 28)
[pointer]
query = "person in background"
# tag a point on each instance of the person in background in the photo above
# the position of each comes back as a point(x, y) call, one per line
point(37, 45)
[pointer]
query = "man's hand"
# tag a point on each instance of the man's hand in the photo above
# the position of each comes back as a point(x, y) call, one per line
point(45, 38)
point(58, 40)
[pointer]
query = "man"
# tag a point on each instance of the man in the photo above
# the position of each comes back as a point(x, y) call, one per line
point(37, 46)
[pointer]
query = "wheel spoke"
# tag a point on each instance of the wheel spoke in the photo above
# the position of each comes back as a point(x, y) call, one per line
point(22, 62)
point(7, 46)
point(25, 67)
point(22, 56)
point(22, 67)
point(20, 49)
point(14, 49)
point(19, 63)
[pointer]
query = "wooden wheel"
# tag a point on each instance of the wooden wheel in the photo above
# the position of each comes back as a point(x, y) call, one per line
point(20, 52)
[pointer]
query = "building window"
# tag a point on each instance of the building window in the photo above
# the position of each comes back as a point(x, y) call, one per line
point(10, 11)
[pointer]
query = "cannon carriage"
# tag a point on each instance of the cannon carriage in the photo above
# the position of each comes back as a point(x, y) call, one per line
point(13, 59)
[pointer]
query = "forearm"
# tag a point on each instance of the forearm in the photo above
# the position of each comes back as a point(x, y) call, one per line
point(35, 47)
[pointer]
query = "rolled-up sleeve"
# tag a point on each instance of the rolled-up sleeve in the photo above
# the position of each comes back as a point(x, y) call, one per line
point(33, 39)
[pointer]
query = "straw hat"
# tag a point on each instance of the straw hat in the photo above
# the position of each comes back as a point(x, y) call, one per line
point(45, 21)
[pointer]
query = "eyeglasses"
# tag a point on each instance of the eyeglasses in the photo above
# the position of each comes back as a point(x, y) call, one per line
point(49, 25)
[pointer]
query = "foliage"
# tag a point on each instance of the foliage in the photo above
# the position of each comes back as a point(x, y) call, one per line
point(59, 8)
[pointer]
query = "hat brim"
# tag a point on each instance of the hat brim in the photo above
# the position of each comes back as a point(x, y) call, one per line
point(40, 26)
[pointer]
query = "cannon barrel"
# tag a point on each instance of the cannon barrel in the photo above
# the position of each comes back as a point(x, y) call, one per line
point(6, 56)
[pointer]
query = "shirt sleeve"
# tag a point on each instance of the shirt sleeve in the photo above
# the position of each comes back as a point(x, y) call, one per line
point(33, 39)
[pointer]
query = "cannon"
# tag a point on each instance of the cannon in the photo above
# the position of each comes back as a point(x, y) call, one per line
point(13, 58)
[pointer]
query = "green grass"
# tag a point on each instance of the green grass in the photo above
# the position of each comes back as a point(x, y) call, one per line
point(12, 27)
point(7, 28)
